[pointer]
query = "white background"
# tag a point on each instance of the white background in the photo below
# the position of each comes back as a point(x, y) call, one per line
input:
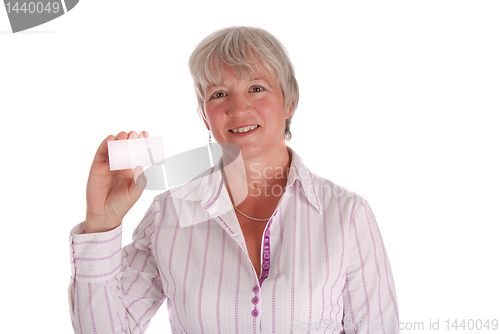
point(399, 102)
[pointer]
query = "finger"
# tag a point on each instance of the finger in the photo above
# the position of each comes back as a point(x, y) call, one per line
point(144, 134)
point(102, 151)
point(121, 136)
point(132, 135)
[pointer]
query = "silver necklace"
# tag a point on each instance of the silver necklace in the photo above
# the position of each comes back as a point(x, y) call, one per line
point(257, 219)
point(252, 218)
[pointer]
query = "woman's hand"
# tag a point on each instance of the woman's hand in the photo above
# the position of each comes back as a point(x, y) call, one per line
point(111, 194)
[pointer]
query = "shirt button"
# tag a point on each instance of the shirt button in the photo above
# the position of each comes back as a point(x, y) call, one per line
point(255, 300)
point(255, 289)
point(265, 266)
point(255, 313)
point(267, 256)
point(267, 233)
point(264, 274)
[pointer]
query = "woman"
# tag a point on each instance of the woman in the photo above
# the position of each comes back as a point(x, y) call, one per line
point(296, 254)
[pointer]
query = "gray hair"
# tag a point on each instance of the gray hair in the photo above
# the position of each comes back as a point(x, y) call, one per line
point(243, 49)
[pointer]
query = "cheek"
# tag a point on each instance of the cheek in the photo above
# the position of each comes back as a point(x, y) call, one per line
point(215, 120)
point(271, 109)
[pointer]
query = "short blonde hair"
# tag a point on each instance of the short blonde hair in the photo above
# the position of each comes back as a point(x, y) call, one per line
point(243, 49)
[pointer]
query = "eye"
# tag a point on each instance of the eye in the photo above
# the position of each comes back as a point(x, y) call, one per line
point(218, 95)
point(257, 89)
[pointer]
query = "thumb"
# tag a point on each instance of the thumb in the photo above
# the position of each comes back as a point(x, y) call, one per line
point(140, 181)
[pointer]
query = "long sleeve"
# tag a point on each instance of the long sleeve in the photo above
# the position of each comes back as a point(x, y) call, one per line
point(370, 304)
point(114, 290)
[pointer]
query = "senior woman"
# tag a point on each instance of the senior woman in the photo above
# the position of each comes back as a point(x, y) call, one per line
point(296, 254)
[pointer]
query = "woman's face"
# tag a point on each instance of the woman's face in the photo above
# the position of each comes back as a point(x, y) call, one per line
point(248, 113)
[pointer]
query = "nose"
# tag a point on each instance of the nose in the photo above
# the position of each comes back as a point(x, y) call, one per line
point(239, 105)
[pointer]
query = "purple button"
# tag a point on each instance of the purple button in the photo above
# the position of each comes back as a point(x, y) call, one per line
point(264, 274)
point(265, 266)
point(267, 232)
point(255, 313)
point(267, 256)
point(255, 300)
point(255, 289)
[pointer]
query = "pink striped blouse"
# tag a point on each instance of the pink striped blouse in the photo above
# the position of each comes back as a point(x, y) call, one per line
point(324, 266)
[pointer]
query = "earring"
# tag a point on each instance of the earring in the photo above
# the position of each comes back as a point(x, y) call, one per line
point(210, 146)
point(288, 133)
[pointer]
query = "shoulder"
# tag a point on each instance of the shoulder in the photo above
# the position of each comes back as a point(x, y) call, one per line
point(331, 193)
point(328, 193)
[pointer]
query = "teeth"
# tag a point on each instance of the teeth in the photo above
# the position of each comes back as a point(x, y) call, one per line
point(245, 129)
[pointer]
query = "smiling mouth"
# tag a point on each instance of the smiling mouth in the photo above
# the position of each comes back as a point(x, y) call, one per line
point(244, 129)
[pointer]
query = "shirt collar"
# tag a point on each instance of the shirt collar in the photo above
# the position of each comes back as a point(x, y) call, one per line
point(299, 172)
point(208, 192)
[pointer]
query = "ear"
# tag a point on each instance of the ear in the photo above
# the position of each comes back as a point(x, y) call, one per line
point(206, 123)
point(288, 111)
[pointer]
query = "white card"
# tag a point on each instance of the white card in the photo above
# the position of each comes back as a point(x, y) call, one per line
point(130, 153)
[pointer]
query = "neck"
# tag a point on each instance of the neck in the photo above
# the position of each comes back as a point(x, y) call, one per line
point(264, 176)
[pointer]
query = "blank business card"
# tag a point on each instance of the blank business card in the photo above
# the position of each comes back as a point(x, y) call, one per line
point(130, 153)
